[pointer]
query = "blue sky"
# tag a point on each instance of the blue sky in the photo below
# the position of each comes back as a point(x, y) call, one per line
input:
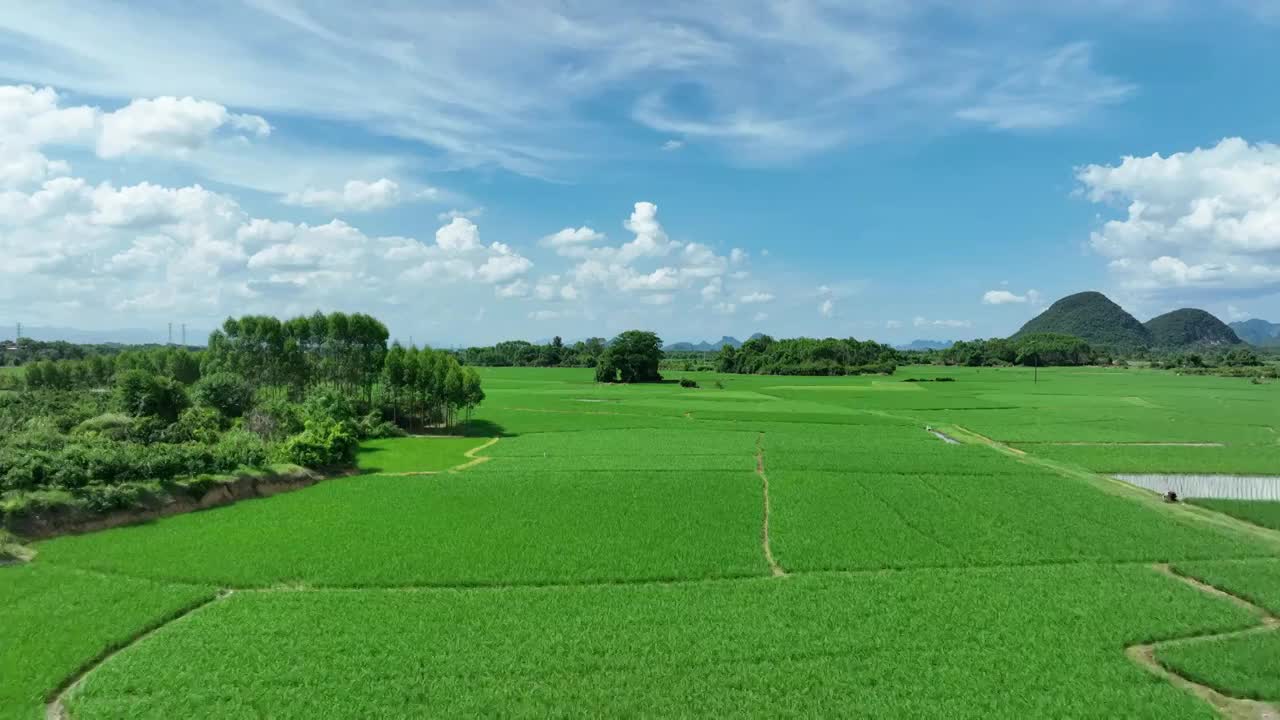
point(481, 171)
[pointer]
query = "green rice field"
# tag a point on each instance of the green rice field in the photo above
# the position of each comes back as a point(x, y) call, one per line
point(775, 546)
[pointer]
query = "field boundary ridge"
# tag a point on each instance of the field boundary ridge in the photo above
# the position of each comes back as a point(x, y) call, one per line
point(1230, 707)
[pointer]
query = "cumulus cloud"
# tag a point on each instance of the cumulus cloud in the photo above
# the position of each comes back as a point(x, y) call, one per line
point(756, 297)
point(827, 308)
point(571, 238)
point(1207, 219)
point(893, 324)
point(1005, 297)
point(171, 125)
point(355, 196)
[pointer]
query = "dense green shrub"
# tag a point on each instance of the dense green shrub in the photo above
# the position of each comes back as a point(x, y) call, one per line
point(116, 426)
point(196, 424)
point(323, 443)
point(225, 392)
point(275, 419)
point(240, 448)
point(372, 426)
point(142, 393)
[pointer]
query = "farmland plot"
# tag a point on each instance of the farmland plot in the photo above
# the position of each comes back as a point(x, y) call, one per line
point(610, 560)
point(1015, 643)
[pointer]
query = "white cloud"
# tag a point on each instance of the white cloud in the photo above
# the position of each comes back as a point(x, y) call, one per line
point(827, 308)
point(517, 289)
point(671, 145)
point(1005, 297)
point(924, 322)
point(773, 79)
point(737, 256)
point(545, 315)
point(1063, 88)
point(459, 236)
point(571, 237)
point(503, 268)
point(1235, 314)
point(893, 324)
point(171, 125)
point(756, 297)
point(1205, 220)
point(471, 214)
point(355, 195)
point(760, 317)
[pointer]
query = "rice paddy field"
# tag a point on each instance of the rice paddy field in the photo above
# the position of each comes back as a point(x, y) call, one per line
point(771, 546)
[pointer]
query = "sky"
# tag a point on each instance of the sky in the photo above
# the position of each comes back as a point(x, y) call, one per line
point(480, 171)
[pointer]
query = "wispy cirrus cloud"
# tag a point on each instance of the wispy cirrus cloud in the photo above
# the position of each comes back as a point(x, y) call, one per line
point(764, 81)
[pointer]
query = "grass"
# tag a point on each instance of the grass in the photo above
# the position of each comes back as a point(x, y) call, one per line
point(415, 454)
point(818, 646)
point(608, 560)
point(56, 621)
point(1259, 512)
point(1227, 460)
point(478, 527)
point(1257, 581)
point(1246, 666)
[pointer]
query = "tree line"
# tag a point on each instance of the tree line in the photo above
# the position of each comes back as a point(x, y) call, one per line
point(521, 353)
point(1035, 349)
point(762, 355)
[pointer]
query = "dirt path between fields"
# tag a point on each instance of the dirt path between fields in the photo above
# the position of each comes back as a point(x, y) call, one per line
point(1230, 707)
point(774, 567)
point(1112, 486)
point(56, 708)
point(472, 460)
point(475, 457)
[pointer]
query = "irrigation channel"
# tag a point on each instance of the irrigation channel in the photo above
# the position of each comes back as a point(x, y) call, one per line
point(1216, 487)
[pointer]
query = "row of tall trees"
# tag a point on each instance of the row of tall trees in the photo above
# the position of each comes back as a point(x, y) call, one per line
point(340, 351)
point(762, 355)
point(426, 387)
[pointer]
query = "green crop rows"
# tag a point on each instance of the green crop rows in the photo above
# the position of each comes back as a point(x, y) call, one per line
point(607, 556)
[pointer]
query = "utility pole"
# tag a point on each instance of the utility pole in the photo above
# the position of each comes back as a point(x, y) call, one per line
point(184, 334)
point(170, 333)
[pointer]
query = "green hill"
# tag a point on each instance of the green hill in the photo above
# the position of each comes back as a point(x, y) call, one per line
point(1190, 327)
point(1093, 317)
point(1258, 332)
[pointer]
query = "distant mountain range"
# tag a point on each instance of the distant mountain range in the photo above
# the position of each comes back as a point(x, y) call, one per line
point(705, 346)
point(1258, 332)
point(1093, 317)
point(926, 345)
point(122, 336)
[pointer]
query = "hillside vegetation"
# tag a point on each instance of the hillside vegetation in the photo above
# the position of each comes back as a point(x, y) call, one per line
point(1092, 317)
point(1189, 327)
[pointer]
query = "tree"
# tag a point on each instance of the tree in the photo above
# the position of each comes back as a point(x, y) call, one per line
point(144, 394)
point(635, 354)
point(225, 392)
point(454, 392)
